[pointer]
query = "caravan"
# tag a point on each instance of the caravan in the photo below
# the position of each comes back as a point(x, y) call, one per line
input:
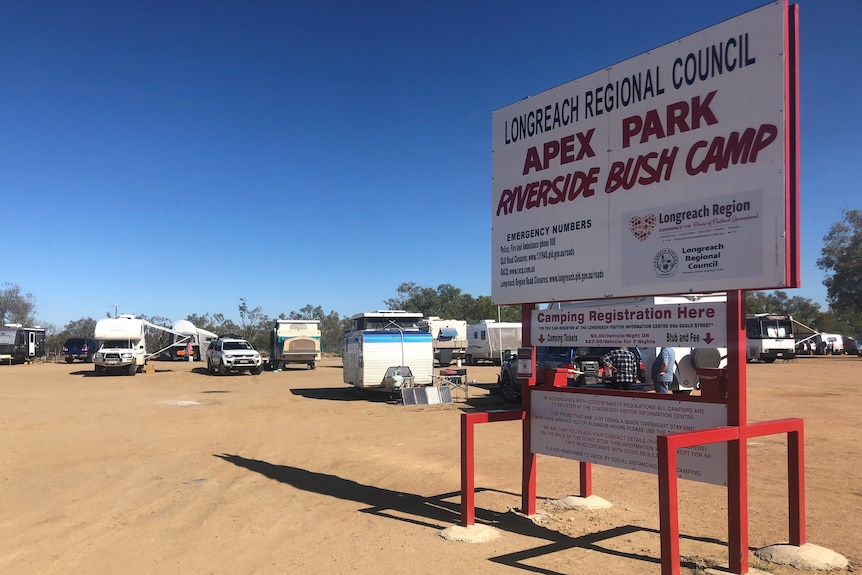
point(448, 337)
point(492, 341)
point(294, 341)
point(386, 350)
point(184, 334)
point(19, 344)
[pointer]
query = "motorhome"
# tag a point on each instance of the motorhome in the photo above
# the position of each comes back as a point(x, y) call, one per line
point(124, 348)
point(492, 341)
point(386, 350)
point(448, 338)
point(769, 337)
point(294, 341)
point(19, 344)
point(185, 333)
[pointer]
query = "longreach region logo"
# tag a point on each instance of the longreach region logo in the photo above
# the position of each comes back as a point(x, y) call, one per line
point(641, 227)
point(665, 263)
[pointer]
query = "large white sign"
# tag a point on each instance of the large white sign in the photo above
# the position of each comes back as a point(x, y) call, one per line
point(621, 432)
point(661, 174)
point(641, 325)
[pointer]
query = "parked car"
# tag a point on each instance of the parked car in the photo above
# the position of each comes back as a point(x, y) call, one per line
point(228, 354)
point(80, 348)
point(584, 365)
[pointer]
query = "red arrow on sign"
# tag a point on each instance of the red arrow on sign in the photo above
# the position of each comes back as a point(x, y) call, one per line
point(708, 338)
point(541, 338)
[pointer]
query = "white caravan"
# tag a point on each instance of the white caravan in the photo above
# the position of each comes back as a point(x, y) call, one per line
point(186, 333)
point(294, 341)
point(124, 347)
point(492, 341)
point(386, 350)
point(448, 338)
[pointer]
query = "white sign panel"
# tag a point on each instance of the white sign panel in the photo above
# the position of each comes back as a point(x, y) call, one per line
point(661, 174)
point(621, 432)
point(641, 325)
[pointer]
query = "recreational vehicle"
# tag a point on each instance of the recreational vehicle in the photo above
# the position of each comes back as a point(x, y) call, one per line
point(124, 348)
point(492, 341)
point(184, 334)
point(448, 338)
point(294, 341)
point(386, 350)
point(829, 344)
point(769, 337)
point(19, 344)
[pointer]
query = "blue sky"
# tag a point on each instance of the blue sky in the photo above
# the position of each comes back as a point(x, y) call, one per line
point(173, 157)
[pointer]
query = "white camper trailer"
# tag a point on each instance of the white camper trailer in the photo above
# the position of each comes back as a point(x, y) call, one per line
point(123, 347)
point(294, 341)
point(492, 341)
point(386, 350)
point(448, 338)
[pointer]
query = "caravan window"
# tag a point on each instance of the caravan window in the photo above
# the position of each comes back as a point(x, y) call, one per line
point(483, 334)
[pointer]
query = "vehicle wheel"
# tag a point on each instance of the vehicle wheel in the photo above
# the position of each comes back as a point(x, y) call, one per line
point(222, 370)
point(89, 358)
point(70, 359)
point(769, 360)
point(133, 369)
point(581, 381)
point(99, 370)
point(507, 388)
point(468, 359)
point(256, 370)
point(312, 365)
point(358, 392)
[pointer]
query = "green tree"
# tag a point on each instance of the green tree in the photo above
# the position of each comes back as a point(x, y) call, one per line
point(802, 309)
point(254, 325)
point(448, 302)
point(16, 307)
point(841, 259)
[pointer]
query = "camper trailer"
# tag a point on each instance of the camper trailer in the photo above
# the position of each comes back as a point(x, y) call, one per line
point(294, 341)
point(448, 338)
point(829, 344)
point(492, 341)
point(386, 350)
point(185, 333)
point(19, 344)
point(124, 348)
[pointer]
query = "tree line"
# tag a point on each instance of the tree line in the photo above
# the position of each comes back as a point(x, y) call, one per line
point(841, 261)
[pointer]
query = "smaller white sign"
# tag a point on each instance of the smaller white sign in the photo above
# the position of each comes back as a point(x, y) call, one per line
point(675, 325)
point(621, 432)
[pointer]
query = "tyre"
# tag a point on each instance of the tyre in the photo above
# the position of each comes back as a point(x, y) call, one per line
point(99, 369)
point(312, 365)
point(256, 370)
point(468, 359)
point(133, 369)
point(70, 359)
point(508, 389)
point(222, 369)
point(769, 360)
point(581, 381)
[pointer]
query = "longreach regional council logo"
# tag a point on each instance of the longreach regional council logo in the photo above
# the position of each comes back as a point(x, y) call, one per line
point(665, 263)
point(641, 227)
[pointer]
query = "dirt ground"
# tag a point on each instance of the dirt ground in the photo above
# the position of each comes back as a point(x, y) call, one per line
point(288, 472)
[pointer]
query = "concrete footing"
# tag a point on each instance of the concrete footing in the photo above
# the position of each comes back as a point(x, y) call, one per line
point(470, 533)
point(805, 557)
point(574, 502)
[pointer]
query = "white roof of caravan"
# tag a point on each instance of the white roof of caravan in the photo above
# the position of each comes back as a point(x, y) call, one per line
point(388, 313)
